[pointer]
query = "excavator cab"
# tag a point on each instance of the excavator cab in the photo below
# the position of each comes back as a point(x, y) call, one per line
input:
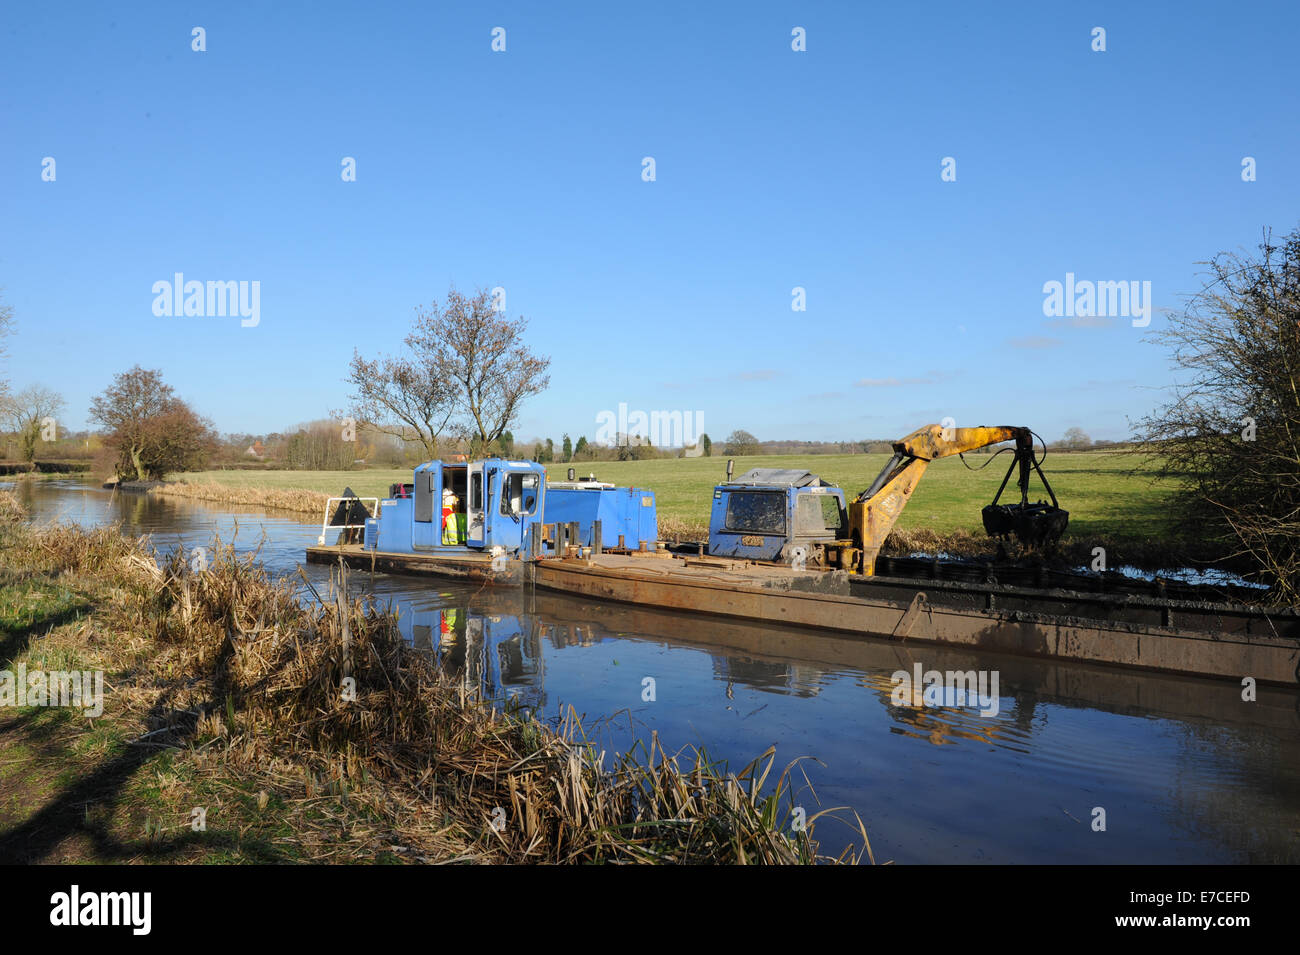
point(775, 514)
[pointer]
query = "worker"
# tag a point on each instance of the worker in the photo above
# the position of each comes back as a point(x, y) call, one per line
point(451, 533)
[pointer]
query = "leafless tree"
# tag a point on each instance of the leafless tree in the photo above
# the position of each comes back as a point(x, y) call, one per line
point(1074, 439)
point(468, 342)
point(402, 397)
point(6, 329)
point(467, 374)
point(26, 412)
point(179, 439)
point(741, 442)
point(1230, 433)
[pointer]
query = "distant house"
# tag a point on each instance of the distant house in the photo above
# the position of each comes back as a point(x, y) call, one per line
point(256, 450)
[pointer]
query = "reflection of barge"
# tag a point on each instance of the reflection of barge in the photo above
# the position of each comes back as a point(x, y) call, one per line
point(598, 541)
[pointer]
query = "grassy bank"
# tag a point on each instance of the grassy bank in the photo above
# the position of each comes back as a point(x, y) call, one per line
point(1112, 502)
point(296, 500)
point(227, 699)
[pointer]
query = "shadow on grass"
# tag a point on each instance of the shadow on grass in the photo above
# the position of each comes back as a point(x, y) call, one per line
point(15, 642)
point(67, 815)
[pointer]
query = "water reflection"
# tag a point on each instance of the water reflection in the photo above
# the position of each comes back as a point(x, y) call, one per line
point(499, 654)
point(1186, 771)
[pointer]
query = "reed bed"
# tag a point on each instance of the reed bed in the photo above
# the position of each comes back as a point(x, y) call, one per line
point(372, 750)
point(298, 500)
point(680, 530)
point(11, 508)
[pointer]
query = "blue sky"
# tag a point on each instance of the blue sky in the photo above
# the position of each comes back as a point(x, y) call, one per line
point(523, 169)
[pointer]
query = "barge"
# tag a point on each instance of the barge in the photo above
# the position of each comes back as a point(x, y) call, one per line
point(500, 522)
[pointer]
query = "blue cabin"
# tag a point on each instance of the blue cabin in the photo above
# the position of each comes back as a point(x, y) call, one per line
point(499, 504)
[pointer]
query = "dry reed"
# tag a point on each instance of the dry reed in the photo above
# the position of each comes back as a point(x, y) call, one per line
point(298, 500)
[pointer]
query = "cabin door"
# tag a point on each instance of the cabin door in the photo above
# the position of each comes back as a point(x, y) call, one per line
point(474, 523)
point(519, 503)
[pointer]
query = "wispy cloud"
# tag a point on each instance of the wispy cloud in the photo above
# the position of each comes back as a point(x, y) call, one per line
point(1034, 341)
point(930, 378)
point(1080, 321)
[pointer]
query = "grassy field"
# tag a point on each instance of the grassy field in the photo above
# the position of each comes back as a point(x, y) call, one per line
point(1104, 493)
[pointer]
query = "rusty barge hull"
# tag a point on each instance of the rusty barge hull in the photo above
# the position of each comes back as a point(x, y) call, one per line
point(822, 601)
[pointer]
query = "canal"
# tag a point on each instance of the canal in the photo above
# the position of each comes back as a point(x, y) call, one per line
point(1183, 769)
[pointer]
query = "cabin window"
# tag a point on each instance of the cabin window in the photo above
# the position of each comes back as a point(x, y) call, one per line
point(756, 512)
point(519, 494)
point(476, 491)
point(817, 514)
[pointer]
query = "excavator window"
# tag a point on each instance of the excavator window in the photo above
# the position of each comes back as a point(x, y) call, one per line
point(816, 515)
point(756, 512)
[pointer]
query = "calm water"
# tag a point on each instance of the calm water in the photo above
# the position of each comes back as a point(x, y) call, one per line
point(1185, 771)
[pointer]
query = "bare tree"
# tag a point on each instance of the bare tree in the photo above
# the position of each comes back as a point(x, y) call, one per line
point(125, 407)
point(741, 442)
point(1230, 433)
point(6, 329)
point(400, 397)
point(179, 439)
point(26, 413)
point(152, 430)
point(468, 342)
point(1075, 439)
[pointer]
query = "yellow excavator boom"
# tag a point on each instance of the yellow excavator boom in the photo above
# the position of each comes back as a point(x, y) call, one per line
point(873, 514)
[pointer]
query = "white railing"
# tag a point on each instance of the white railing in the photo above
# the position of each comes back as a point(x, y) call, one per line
point(326, 526)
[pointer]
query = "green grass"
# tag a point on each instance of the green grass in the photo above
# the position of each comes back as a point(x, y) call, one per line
point(1103, 490)
point(29, 607)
